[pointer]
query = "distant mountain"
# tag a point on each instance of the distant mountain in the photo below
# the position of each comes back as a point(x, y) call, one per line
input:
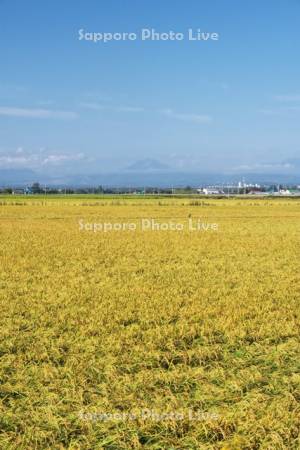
point(140, 178)
point(147, 165)
point(17, 177)
point(162, 179)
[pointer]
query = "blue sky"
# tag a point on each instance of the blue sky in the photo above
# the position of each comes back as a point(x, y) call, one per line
point(76, 106)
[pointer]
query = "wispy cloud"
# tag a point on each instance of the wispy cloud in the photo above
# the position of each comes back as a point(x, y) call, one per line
point(224, 86)
point(13, 91)
point(15, 160)
point(129, 109)
point(45, 103)
point(37, 113)
point(287, 98)
point(293, 108)
point(35, 159)
point(271, 166)
point(118, 108)
point(195, 118)
point(93, 106)
point(61, 158)
point(98, 96)
point(272, 112)
point(283, 111)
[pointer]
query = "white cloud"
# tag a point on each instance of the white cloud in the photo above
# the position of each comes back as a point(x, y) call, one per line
point(36, 113)
point(12, 90)
point(288, 98)
point(292, 108)
point(119, 108)
point(15, 160)
point(275, 166)
point(283, 111)
point(195, 118)
point(224, 86)
point(98, 96)
point(272, 112)
point(93, 106)
point(26, 159)
point(60, 158)
point(45, 103)
point(129, 109)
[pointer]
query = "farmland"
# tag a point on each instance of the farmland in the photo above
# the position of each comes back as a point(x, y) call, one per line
point(159, 339)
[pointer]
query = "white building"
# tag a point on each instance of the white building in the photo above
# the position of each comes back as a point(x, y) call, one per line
point(212, 191)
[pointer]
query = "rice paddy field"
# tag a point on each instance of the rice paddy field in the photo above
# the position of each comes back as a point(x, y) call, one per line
point(156, 339)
